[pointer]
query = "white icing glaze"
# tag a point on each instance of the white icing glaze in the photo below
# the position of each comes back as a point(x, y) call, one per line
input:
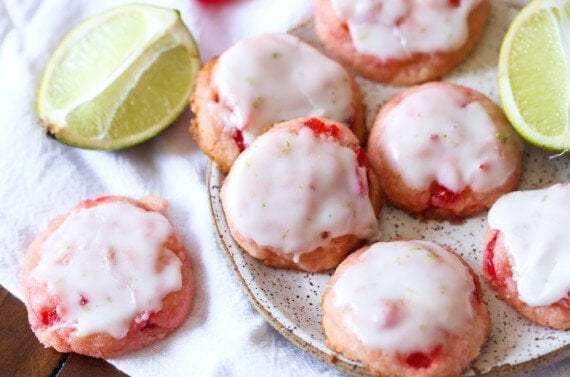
point(534, 225)
point(277, 77)
point(285, 190)
point(438, 133)
point(404, 296)
point(107, 255)
point(398, 29)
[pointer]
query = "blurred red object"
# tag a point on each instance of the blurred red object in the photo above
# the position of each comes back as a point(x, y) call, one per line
point(213, 1)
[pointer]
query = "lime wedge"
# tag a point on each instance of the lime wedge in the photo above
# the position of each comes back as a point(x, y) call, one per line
point(118, 78)
point(534, 74)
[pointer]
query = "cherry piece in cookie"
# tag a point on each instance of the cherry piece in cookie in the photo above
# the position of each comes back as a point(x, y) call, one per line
point(321, 128)
point(237, 135)
point(108, 277)
point(489, 259)
point(302, 195)
point(526, 253)
point(406, 308)
point(444, 151)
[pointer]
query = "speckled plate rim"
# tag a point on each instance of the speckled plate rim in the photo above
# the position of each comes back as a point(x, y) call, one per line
point(504, 370)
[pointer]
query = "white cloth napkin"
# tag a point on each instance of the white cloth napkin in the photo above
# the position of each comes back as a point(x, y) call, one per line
point(41, 178)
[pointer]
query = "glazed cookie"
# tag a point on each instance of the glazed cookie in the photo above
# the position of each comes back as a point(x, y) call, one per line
point(401, 42)
point(108, 277)
point(527, 255)
point(302, 196)
point(265, 80)
point(444, 151)
point(406, 308)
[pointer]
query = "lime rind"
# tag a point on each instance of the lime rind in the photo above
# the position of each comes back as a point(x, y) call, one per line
point(89, 121)
point(534, 78)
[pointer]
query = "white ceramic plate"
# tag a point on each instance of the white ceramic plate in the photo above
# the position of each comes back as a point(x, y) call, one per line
point(290, 300)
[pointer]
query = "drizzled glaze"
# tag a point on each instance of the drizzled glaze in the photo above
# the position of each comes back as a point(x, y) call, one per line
point(404, 296)
point(294, 193)
point(398, 29)
point(277, 77)
point(534, 226)
point(438, 134)
point(106, 268)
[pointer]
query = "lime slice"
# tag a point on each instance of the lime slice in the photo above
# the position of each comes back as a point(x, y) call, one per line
point(118, 78)
point(534, 74)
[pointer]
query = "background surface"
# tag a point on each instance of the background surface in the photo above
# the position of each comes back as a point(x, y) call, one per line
point(41, 178)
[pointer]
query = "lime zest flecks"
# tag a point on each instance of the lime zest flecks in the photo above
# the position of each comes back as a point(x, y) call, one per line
point(502, 138)
point(417, 249)
point(257, 102)
point(410, 290)
point(363, 36)
point(431, 255)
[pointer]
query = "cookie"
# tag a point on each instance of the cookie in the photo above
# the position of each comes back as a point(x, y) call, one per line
point(406, 308)
point(401, 42)
point(268, 79)
point(444, 151)
point(526, 256)
point(108, 277)
point(302, 196)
